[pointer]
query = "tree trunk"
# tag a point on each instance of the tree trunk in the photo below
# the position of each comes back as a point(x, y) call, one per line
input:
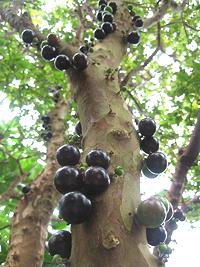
point(30, 221)
point(111, 237)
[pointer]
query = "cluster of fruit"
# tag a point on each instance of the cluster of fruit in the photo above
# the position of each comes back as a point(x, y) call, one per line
point(47, 134)
point(153, 213)
point(134, 36)
point(77, 186)
point(156, 162)
point(105, 14)
point(50, 52)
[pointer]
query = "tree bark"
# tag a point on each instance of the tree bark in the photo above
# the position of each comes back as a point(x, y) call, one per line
point(30, 221)
point(111, 237)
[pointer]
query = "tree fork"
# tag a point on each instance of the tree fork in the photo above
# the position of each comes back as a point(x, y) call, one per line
point(30, 221)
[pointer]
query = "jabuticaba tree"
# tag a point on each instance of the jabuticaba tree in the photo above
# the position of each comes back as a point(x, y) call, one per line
point(114, 233)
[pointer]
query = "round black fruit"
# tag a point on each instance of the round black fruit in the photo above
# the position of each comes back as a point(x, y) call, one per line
point(133, 38)
point(107, 27)
point(98, 157)
point(67, 179)
point(169, 213)
point(78, 129)
point(46, 119)
point(96, 180)
point(135, 18)
point(155, 236)
point(147, 127)
point(27, 36)
point(139, 23)
point(149, 144)
point(108, 17)
point(156, 162)
point(68, 155)
point(52, 39)
point(75, 208)
point(48, 52)
point(62, 62)
point(102, 2)
point(99, 34)
point(114, 6)
point(26, 189)
point(60, 244)
point(80, 61)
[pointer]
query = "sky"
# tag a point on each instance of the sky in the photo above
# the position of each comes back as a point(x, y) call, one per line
point(186, 247)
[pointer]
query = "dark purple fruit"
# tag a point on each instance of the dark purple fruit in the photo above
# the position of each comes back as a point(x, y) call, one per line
point(147, 172)
point(83, 49)
point(78, 128)
point(99, 15)
point(102, 2)
point(26, 189)
point(108, 17)
point(96, 180)
point(52, 40)
point(75, 208)
point(139, 23)
point(62, 62)
point(147, 127)
point(67, 179)
point(27, 36)
point(46, 119)
point(99, 34)
point(156, 162)
point(98, 157)
point(80, 61)
point(149, 144)
point(49, 52)
point(60, 244)
point(114, 6)
point(107, 27)
point(178, 214)
point(68, 155)
point(133, 38)
point(156, 236)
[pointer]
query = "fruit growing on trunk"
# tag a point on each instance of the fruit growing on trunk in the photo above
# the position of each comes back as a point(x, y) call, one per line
point(147, 127)
point(149, 144)
point(75, 208)
point(78, 128)
point(67, 179)
point(62, 62)
point(68, 155)
point(60, 244)
point(96, 180)
point(98, 157)
point(80, 61)
point(151, 212)
point(48, 52)
point(27, 36)
point(156, 236)
point(133, 38)
point(156, 162)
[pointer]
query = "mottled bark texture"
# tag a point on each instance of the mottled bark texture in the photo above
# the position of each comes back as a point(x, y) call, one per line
point(110, 237)
point(30, 221)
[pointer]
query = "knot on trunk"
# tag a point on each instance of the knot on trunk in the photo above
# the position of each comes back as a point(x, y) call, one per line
point(110, 240)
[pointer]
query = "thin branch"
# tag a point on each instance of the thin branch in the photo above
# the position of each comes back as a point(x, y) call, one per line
point(133, 72)
point(10, 191)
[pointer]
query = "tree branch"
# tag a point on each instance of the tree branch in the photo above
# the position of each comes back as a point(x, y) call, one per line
point(146, 62)
point(185, 162)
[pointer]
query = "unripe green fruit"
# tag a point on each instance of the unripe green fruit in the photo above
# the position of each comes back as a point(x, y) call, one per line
point(119, 170)
point(151, 212)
